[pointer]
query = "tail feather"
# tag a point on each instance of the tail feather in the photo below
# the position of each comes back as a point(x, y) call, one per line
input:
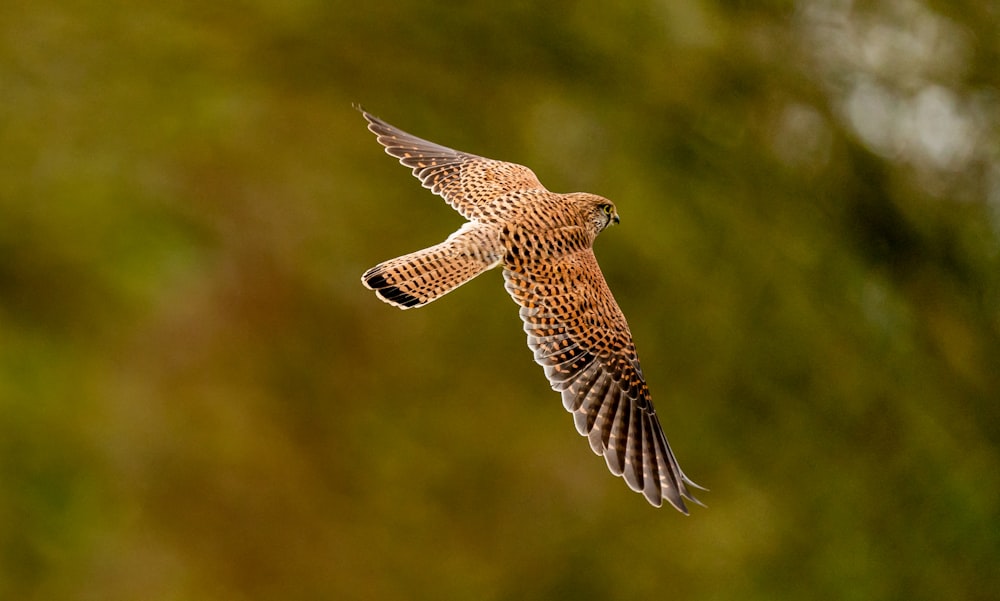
point(420, 277)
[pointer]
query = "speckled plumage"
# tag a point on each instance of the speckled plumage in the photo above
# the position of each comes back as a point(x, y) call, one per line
point(578, 334)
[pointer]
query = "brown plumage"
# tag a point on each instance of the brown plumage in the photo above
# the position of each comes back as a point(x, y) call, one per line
point(577, 331)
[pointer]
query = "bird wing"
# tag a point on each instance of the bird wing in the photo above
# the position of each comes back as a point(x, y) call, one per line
point(471, 184)
point(580, 337)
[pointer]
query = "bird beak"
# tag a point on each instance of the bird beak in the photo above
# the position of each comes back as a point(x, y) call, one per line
point(615, 219)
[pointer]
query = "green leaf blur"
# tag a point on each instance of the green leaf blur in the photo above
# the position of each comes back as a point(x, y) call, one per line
point(199, 400)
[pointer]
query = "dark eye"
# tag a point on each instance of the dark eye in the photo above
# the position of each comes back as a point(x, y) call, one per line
point(606, 209)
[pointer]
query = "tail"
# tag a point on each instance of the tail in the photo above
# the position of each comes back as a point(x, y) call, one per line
point(418, 278)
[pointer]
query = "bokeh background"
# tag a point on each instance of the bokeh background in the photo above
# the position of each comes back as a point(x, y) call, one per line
point(199, 400)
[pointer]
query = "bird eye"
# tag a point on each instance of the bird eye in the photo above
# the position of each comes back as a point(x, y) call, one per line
point(606, 209)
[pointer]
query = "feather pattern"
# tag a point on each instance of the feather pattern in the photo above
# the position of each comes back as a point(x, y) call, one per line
point(593, 363)
point(575, 329)
point(477, 187)
point(418, 278)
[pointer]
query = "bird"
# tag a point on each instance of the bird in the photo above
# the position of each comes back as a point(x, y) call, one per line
point(544, 243)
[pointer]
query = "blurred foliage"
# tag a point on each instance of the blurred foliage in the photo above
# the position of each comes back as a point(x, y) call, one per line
point(200, 401)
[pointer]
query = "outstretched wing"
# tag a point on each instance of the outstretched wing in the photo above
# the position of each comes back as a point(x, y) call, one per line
point(580, 336)
point(474, 186)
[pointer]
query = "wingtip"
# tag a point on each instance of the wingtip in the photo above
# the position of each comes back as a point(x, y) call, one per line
point(695, 484)
point(361, 109)
point(382, 130)
point(370, 118)
point(697, 501)
point(687, 494)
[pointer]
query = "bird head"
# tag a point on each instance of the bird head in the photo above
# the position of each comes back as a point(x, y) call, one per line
point(599, 211)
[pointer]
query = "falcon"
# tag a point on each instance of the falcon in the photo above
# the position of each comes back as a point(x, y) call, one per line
point(544, 243)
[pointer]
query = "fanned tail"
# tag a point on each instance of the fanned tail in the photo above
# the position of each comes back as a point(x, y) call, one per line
point(420, 277)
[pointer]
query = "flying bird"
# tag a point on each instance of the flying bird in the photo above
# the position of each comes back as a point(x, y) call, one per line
point(544, 243)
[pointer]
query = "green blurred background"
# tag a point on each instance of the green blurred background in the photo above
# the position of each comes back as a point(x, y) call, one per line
point(199, 400)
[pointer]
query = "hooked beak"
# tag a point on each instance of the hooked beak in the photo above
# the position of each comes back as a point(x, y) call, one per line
point(616, 219)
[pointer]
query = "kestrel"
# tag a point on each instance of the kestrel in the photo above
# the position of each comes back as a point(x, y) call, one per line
point(544, 242)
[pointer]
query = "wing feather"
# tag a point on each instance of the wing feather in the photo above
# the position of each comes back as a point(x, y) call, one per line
point(618, 442)
point(475, 186)
point(580, 337)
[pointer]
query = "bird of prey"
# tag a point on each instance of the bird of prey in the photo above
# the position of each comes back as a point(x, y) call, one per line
point(544, 243)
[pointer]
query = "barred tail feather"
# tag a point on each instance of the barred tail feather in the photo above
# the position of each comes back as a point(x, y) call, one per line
point(420, 277)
